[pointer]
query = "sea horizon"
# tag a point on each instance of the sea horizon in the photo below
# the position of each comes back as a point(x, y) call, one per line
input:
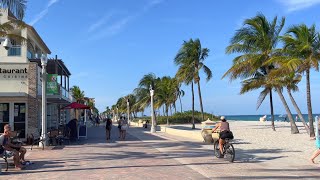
point(277, 117)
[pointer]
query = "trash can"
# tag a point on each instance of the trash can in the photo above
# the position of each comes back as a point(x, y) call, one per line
point(206, 132)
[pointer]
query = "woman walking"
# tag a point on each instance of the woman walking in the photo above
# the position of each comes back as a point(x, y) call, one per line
point(124, 127)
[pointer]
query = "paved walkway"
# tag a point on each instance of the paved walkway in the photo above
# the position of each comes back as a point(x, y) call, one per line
point(146, 156)
point(96, 159)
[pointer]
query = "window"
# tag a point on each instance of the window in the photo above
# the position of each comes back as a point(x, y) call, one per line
point(15, 50)
point(4, 115)
point(20, 118)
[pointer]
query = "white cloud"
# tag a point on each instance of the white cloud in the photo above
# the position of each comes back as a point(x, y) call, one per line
point(296, 5)
point(100, 22)
point(121, 23)
point(43, 12)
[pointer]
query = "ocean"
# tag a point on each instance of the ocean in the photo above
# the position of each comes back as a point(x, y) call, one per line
point(277, 117)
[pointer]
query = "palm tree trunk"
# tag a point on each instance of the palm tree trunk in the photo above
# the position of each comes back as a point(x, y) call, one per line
point(298, 111)
point(200, 98)
point(271, 109)
point(170, 110)
point(180, 103)
point(167, 111)
point(310, 118)
point(163, 111)
point(294, 129)
point(175, 108)
point(193, 126)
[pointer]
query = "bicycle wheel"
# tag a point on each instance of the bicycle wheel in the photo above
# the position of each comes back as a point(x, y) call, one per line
point(217, 152)
point(229, 152)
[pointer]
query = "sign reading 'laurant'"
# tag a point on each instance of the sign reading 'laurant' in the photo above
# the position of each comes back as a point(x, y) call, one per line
point(13, 71)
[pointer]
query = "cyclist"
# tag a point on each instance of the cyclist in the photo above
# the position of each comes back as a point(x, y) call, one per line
point(224, 132)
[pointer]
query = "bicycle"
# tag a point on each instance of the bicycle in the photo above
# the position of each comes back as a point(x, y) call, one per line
point(228, 150)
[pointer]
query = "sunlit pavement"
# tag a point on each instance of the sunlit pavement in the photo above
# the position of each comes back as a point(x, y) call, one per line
point(96, 159)
point(145, 156)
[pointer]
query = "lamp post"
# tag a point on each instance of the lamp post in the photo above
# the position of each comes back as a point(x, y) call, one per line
point(153, 129)
point(128, 110)
point(44, 61)
point(117, 113)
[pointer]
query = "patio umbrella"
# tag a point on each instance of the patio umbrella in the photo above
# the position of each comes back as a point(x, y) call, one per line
point(76, 105)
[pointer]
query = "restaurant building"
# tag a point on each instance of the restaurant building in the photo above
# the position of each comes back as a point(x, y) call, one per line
point(21, 83)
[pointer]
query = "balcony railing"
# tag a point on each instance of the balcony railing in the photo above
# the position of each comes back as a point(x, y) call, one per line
point(14, 51)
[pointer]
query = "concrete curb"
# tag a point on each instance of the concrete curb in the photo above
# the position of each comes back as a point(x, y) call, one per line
point(189, 134)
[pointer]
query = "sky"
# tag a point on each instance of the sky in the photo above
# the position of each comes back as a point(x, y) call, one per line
point(109, 45)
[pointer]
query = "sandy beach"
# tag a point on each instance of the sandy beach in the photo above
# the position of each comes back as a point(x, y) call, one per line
point(258, 142)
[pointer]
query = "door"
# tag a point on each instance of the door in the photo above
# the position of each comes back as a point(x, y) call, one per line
point(4, 115)
point(19, 123)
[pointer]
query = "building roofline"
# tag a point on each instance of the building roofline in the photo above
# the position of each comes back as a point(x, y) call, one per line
point(39, 38)
point(11, 15)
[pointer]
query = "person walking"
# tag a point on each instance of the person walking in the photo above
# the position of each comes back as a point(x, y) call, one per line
point(108, 128)
point(119, 126)
point(124, 127)
point(317, 152)
point(97, 120)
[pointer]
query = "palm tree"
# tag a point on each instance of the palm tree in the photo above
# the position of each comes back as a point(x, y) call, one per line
point(259, 80)
point(142, 93)
point(291, 81)
point(77, 94)
point(193, 55)
point(256, 41)
point(184, 75)
point(17, 7)
point(303, 44)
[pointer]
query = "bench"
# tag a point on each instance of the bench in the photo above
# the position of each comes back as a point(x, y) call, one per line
point(6, 155)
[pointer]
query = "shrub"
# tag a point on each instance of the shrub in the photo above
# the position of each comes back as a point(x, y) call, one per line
point(180, 118)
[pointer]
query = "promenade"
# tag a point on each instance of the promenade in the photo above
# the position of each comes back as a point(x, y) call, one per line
point(146, 156)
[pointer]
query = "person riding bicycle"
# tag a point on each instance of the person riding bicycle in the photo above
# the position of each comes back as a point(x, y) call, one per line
point(224, 132)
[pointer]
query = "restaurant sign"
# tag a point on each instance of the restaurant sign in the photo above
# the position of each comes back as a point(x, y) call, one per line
point(13, 71)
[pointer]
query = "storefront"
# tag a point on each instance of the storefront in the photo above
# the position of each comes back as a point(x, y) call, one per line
point(20, 96)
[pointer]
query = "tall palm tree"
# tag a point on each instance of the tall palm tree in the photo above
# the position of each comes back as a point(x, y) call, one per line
point(256, 41)
point(193, 55)
point(302, 44)
point(142, 93)
point(78, 94)
point(17, 7)
point(291, 81)
point(183, 75)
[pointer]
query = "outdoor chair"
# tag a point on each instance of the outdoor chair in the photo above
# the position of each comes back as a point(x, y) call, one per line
point(39, 140)
point(64, 135)
point(54, 136)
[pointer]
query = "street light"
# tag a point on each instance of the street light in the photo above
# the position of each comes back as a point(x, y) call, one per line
point(6, 43)
point(128, 110)
point(117, 113)
point(44, 61)
point(153, 129)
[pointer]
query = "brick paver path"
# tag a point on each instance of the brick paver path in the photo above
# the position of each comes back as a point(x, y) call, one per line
point(146, 156)
point(96, 159)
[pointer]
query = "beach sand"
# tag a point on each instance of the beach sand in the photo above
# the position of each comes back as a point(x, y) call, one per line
point(256, 141)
